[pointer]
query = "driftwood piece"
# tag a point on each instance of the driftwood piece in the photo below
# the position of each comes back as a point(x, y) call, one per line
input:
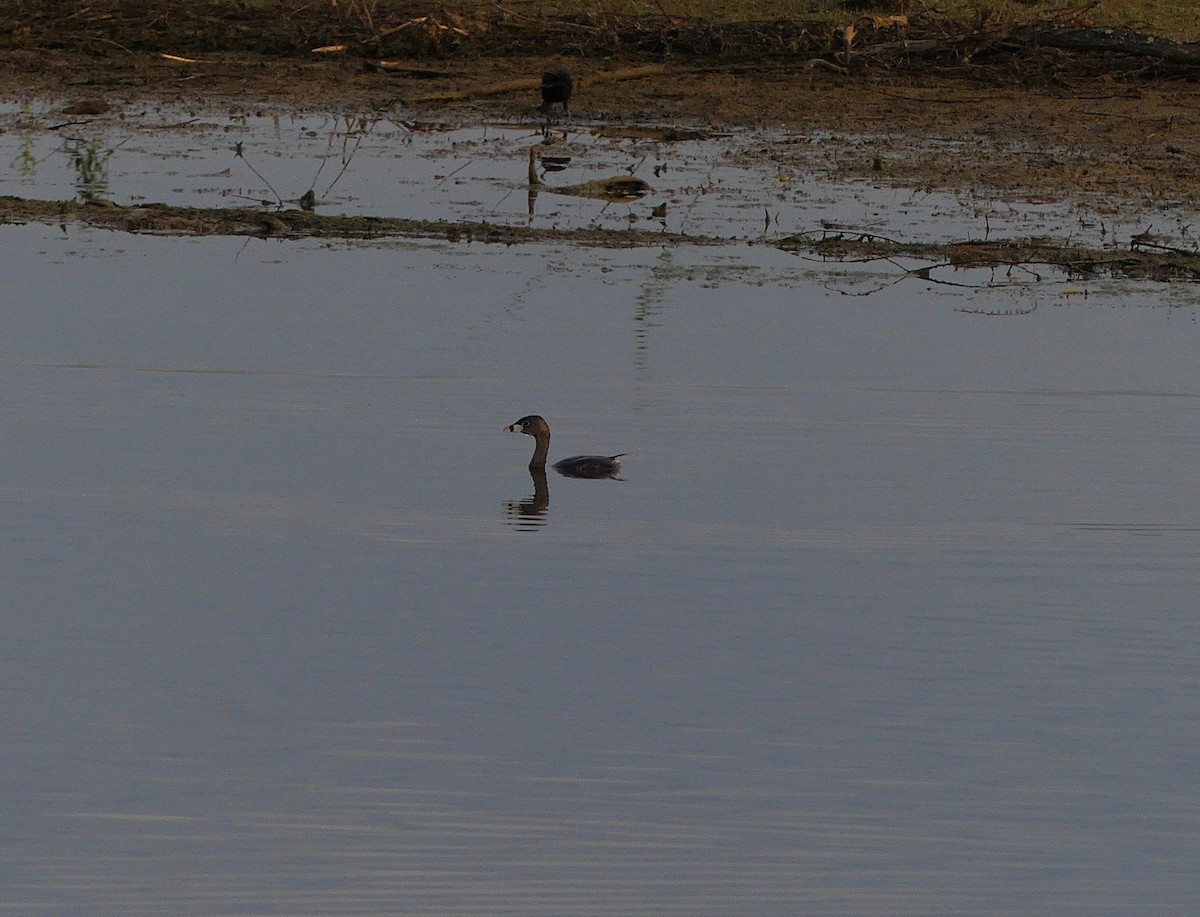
point(164, 219)
point(1108, 41)
point(1044, 35)
point(927, 47)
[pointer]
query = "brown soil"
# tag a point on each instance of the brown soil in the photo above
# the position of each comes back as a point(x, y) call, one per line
point(1109, 130)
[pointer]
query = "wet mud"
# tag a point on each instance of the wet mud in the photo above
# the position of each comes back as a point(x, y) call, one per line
point(1021, 124)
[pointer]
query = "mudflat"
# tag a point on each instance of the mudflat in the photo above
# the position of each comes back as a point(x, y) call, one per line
point(1096, 125)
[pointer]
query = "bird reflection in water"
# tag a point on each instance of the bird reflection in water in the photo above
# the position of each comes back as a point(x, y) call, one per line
point(533, 512)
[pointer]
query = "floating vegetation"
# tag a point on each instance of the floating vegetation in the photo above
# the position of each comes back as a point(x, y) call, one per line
point(90, 162)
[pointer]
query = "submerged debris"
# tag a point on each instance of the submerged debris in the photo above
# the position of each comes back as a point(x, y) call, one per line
point(617, 188)
point(164, 219)
point(1134, 263)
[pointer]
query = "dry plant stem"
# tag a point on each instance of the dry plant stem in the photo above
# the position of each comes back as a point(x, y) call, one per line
point(242, 156)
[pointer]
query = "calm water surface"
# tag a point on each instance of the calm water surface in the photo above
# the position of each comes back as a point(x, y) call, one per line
point(893, 612)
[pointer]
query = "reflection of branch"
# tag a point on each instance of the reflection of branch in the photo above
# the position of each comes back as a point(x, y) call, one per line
point(869, 247)
point(1140, 244)
point(998, 312)
point(864, 293)
point(240, 152)
point(926, 273)
point(346, 158)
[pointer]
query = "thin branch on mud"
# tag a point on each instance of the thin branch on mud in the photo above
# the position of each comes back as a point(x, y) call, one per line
point(513, 14)
point(862, 294)
point(239, 152)
point(59, 127)
point(819, 63)
point(347, 158)
point(1143, 241)
point(450, 175)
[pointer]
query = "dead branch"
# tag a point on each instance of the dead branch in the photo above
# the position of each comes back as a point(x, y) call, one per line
point(1108, 41)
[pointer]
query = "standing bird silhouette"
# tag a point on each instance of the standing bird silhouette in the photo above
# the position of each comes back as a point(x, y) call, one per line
point(557, 86)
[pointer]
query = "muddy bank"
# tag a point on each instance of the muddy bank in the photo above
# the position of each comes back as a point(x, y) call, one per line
point(1020, 121)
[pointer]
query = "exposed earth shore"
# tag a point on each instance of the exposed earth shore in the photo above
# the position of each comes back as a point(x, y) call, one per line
point(1105, 129)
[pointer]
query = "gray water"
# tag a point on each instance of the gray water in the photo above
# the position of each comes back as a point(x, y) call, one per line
point(892, 612)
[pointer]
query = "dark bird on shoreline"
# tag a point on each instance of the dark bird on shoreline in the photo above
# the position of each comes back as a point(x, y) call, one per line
point(577, 466)
point(557, 86)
